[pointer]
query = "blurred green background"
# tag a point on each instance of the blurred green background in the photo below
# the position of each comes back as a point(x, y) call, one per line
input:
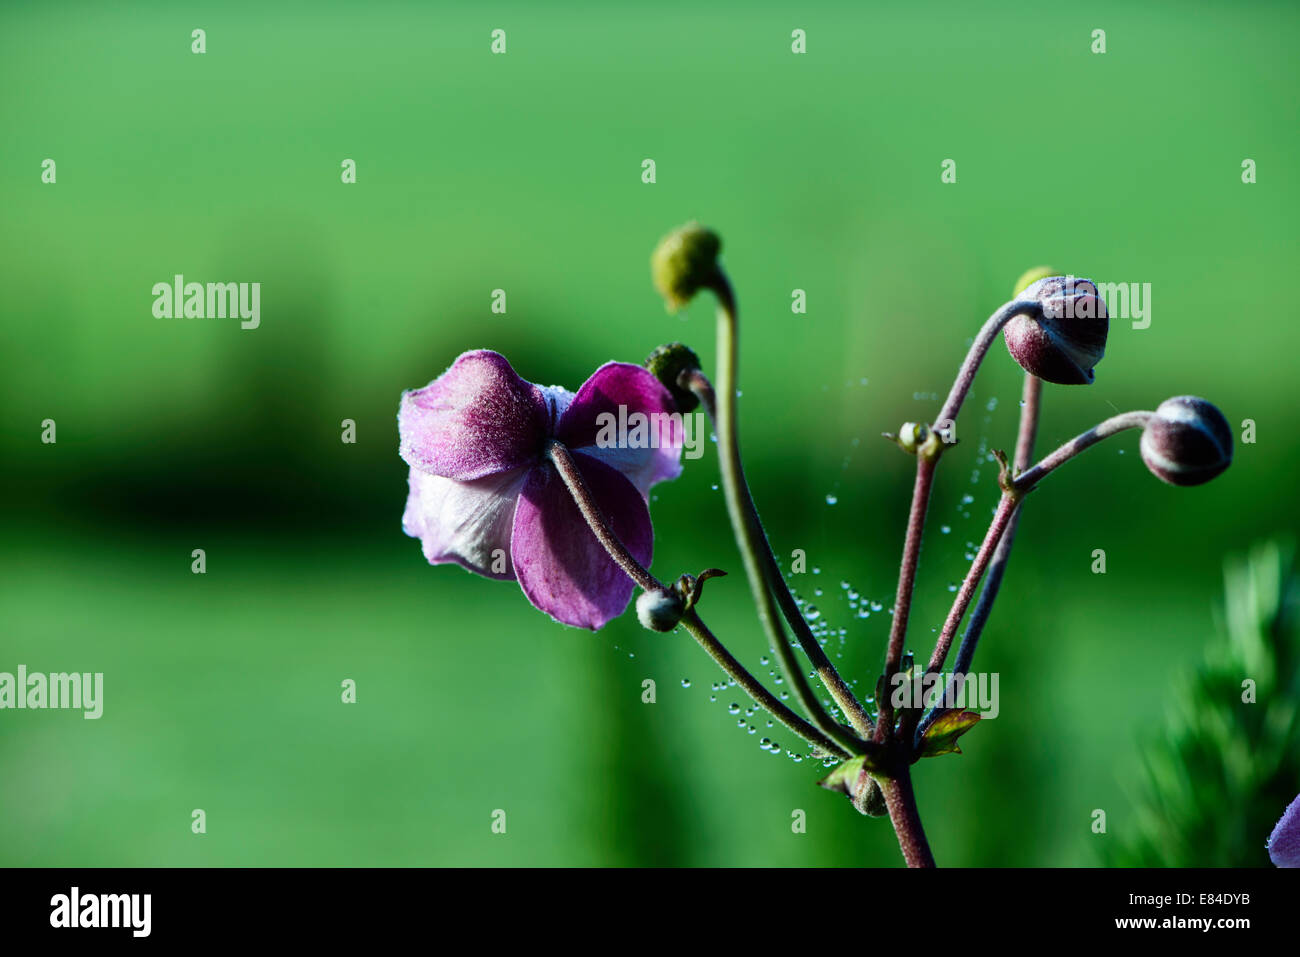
point(523, 172)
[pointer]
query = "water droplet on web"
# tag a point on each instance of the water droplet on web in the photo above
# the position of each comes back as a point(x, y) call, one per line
point(733, 708)
point(946, 529)
point(812, 613)
point(952, 586)
point(831, 500)
point(686, 682)
point(816, 570)
point(715, 486)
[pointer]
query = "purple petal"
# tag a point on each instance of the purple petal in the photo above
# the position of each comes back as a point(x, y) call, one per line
point(1284, 842)
point(625, 417)
point(469, 523)
point(475, 419)
point(562, 568)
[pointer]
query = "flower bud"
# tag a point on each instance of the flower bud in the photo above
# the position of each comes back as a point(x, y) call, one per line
point(684, 262)
point(666, 364)
point(1066, 336)
point(1187, 441)
point(659, 610)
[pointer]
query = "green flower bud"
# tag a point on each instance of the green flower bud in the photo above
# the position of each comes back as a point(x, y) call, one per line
point(684, 262)
point(660, 610)
point(667, 363)
point(1187, 441)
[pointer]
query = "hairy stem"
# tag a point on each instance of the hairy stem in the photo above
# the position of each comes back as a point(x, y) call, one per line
point(900, 799)
point(975, 355)
point(925, 466)
point(1026, 480)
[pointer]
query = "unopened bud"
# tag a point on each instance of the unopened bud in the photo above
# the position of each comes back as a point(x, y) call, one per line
point(1065, 338)
point(1187, 441)
point(659, 610)
point(684, 262)
point(666, 364)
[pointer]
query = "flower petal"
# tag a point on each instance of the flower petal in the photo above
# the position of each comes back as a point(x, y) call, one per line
point(562, 567)
point(475, 419)
point(469, 523)
point(625, 417)
point(1284, 842)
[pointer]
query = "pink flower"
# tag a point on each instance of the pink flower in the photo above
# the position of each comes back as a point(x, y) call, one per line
point(484, 495)
point(1284, 842)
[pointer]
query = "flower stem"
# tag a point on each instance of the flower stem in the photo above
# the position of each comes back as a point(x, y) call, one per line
point(1028, 433)
point(925, 466)
point(900, 799)
point(600, 527)
point(1007, 506)
point(1029, 416)
point(768, 585)
point(699, 631)
point(1026, 480)
point(595, 518)
point(927, 457)
point(975, 355)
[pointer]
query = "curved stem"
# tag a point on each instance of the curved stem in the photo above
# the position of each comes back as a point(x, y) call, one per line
point(768, 585)
point(975, 355)
point(600, 527)
point(1025, 481)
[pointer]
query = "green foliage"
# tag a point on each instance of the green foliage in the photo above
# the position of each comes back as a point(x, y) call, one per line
point(1228, 760)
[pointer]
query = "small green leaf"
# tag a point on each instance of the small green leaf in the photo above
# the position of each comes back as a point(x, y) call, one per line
point(853, 778)
point(941, 737)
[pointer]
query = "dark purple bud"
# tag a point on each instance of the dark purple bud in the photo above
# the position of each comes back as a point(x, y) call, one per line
point(1066, 337)
point(1187, 441)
